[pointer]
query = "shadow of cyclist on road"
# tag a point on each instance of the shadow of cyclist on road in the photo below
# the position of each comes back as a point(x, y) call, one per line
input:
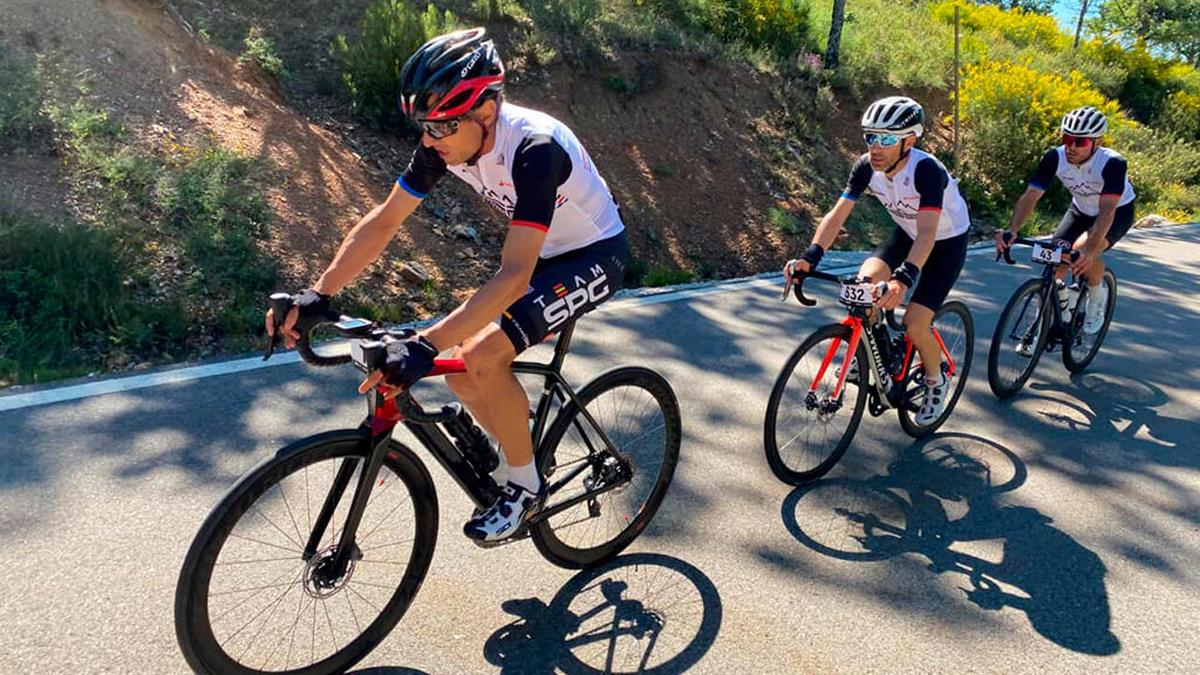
point(639, 613)
point(946, 490)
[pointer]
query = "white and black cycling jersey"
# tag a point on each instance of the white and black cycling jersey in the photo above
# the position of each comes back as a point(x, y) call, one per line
point(1105, 173)
point(923, 184)
point(538, 174)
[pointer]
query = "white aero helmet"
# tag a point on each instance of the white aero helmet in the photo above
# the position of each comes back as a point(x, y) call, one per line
point(898, 115)
point(1086, 122)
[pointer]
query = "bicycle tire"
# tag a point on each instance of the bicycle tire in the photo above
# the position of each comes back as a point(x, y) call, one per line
point(771, 446)
point(544, 533)
point(1030, 290)
point(1077, 365)
point(963, 367)
point(193, 626)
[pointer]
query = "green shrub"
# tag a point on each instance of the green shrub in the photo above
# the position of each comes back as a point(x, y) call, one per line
point(1181, 115)
point(1164, 170)
point(391, 31)
point(212, 201)
point(665, 275)
point(783, 221)
point(69, 301)
point(261, 50)
point(778, 26)
point(879, 47)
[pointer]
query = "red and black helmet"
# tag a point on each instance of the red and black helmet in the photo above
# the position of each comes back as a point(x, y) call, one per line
point(456, 70)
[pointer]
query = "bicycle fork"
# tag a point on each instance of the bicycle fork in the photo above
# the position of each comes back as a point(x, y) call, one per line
point(380, 425)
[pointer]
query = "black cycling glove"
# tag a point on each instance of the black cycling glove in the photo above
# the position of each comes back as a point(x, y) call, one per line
point(408, 361)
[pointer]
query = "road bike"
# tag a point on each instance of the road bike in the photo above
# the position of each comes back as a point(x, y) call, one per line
point(1036, 319)
point(313, 556)
point(865, 362)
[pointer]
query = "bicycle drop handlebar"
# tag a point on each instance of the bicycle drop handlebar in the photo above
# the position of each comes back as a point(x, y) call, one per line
point(368, 352)
point(1048, 243)
point(795, 283)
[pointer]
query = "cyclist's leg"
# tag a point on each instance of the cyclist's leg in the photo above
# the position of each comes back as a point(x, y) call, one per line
point(1073, 225)
point(1122, 221)
point(562, 288)
point(492, 393)
point(941, 270)
point(1097, 296)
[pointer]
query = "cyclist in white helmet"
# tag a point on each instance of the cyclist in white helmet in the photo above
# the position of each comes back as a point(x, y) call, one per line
point(1102, 202)
point(926, 251)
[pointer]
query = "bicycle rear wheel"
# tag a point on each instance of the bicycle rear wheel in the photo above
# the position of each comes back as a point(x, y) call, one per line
point(956, 329)
point(638, 412)
point(247, 601)
point(806, 431)
point(1081, 348)
point(1019, 339)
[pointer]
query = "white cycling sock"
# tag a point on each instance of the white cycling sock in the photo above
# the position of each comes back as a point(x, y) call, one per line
point(525, 476)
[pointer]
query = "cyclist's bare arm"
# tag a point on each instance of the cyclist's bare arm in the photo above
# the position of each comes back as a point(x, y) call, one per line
point(833, 222)
point(1024, 207)
point(927, 227)
point(1099, 229)
point(518, 257)
point(367, 240)
point(361, 246)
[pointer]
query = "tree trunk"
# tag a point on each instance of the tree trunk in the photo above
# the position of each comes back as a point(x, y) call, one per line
point(835, 34)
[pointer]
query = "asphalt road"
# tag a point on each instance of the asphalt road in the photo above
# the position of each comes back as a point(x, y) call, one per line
point(1056, 532)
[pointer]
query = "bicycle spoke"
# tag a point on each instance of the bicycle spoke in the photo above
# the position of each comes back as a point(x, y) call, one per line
point(257, 541)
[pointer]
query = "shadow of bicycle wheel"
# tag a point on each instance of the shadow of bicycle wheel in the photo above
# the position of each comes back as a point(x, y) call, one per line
point(643, 613)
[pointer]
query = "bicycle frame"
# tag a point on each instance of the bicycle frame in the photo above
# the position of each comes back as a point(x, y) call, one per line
point(385, 413)
point(1049, 299)
point(885, 383)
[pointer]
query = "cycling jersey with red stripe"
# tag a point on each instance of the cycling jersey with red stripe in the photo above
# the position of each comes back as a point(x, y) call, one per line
point(923, 184)
point(1104, 173)
point(538, 174)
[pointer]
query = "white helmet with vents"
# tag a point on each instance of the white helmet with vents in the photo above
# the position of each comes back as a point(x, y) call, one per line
point(898, 115)
point(1086, 122)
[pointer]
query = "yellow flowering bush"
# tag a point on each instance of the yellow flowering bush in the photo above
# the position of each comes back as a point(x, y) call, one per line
point(1025, 29)
point(1011, 114)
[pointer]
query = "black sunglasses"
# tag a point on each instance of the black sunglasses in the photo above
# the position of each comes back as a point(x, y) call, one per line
point(441, 128)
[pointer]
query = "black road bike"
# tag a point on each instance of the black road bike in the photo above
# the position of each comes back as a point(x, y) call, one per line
point(1034, 322)
point(314, 555)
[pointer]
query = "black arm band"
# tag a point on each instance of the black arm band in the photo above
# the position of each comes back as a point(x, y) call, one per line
point(907, 274)
point(812, 255)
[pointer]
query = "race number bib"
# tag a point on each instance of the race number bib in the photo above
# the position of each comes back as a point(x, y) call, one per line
point(1047, 256)
point(861, 294)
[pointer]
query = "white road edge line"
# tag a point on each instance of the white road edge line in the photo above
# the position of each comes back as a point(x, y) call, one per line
point(16, 401)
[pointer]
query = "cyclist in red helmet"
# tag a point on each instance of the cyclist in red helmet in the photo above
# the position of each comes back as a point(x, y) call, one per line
point(564, 253)
point(1101, 211)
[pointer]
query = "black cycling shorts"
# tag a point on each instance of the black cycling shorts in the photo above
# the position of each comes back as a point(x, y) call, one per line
point(1075, 222)
point(941, 269)
point(563, 288)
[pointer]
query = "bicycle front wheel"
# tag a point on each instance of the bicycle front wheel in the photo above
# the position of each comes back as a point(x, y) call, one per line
point(1080, 347)
point(1019, 340)
point(807, 429)
point(637, 411)
point(248, 602)
point(956, 330)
